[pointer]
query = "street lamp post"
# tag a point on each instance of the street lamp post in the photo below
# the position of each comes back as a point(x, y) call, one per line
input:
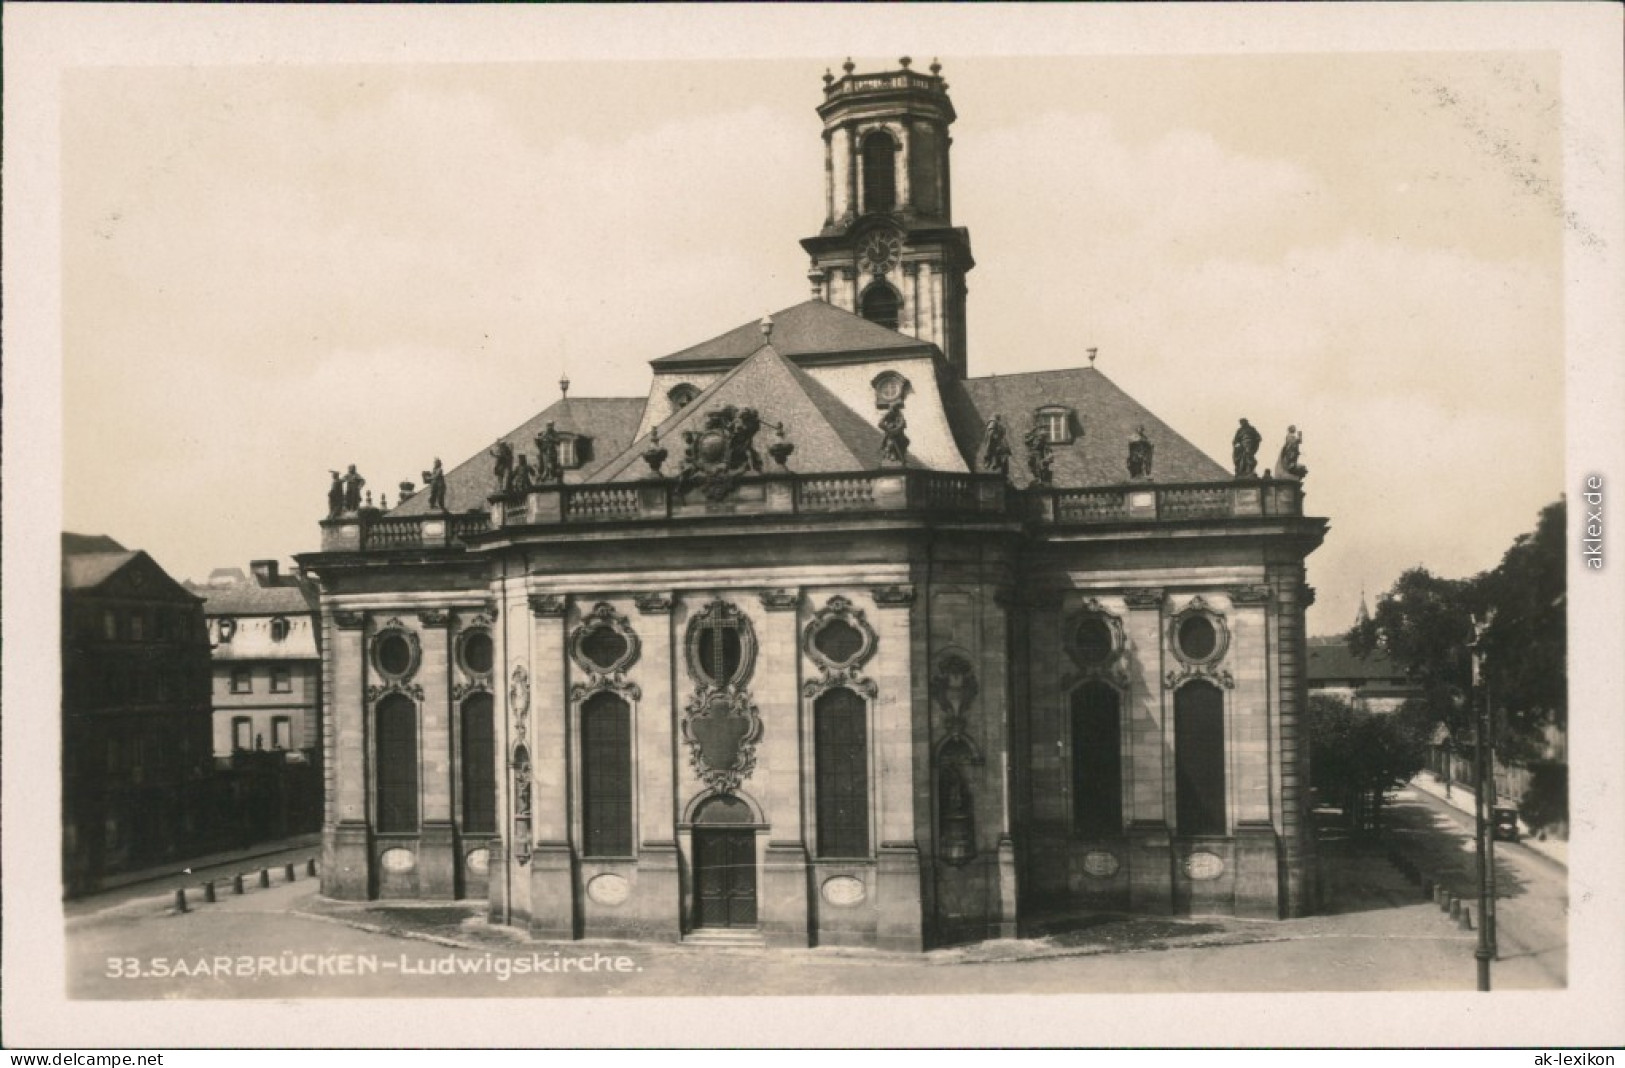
point(1483, 815)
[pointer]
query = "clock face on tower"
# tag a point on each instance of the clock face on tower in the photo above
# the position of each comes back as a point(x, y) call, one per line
point(880, 251)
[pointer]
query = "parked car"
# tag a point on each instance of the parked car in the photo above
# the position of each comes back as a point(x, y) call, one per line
point(1504, 823)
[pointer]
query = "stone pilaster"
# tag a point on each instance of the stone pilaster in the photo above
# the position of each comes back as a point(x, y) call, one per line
point(438, 863)
point(658, 891)
point(900, 923)
point(347, 868)
point(552, 877)
point(1297, 828)
point(784, 904)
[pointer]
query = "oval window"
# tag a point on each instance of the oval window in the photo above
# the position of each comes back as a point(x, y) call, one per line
point(478, 652)
point(1095, 644)
point(394, 654)
point(1198, 638)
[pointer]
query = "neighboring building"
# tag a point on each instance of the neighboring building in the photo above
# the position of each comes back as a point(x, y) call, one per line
point(267, 667)
point(135, 713)
point(1373, 682)
point(758, 666)
point(267, 700)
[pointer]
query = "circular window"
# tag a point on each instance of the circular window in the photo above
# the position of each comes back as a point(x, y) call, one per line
point(1095, 641)
point(394, 653)
point(1198, 637)
point(478, 652)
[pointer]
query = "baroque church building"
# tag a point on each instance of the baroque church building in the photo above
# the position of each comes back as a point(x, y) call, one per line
point(825, 641)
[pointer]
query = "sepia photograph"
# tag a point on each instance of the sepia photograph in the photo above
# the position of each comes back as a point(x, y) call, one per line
point(555, 515)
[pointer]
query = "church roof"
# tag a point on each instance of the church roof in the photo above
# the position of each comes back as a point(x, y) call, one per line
point(1104, 419)
point(609, 422)
point(811, 328)
point(827, 434)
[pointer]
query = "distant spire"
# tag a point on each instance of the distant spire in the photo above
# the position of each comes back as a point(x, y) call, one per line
point(1362, 616)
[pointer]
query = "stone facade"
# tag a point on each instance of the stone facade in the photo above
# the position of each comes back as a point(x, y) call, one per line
point(828, 699)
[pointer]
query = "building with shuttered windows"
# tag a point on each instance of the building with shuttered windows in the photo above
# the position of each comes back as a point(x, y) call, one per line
point(826, 640)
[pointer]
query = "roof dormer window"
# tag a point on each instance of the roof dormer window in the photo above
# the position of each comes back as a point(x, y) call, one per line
point(1057, 423)
point(574, 450)
point(682, 395)
point(279, 629)
point(890, 387)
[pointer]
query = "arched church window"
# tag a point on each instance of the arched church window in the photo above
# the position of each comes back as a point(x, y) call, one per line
point(396, 771)
point(606, 775)
point(841, 774)
point(882, 304)
point(479, 764)
point(879, 172)
point(1097, 767)
point(1199, 758)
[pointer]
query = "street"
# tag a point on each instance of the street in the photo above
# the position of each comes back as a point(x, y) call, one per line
point(1531, 890)
point(1377, 933)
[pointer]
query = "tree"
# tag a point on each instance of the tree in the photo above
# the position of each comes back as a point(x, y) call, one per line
point(1425, 623)
point(1526, 643)
point(1356, 756)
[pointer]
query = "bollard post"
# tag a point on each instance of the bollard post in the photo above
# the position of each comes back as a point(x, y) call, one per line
point(180, 900)
point(310, 867)
point(287, 872)
point(237, 883)
point(1455, 907)
point(1466, 918)
point(208, 891)
point(265, 878)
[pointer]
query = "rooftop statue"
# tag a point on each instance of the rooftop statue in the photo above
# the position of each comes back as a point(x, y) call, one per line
point(502, 453)
point(1040, 457)
point(995, 454)
point(1244, 450)
point(1141, 453)
point(894, 439)
point(1288, 466)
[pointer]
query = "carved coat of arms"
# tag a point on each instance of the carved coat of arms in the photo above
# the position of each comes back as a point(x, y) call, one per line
point(721, 452)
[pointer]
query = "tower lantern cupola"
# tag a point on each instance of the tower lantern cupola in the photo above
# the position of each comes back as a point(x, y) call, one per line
point(888, 249)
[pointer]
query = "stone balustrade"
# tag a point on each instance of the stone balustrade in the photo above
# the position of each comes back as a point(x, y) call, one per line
point(882, 491)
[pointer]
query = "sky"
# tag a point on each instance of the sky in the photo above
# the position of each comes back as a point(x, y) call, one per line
point(270, 270)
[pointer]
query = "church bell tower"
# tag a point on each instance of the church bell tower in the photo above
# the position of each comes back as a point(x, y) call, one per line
point(888, 250)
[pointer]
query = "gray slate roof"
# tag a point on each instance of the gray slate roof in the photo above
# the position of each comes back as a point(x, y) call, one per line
point(1106, 418)
point(255, 600)
point(811, 328)
point(609, 421)
point(828, 435)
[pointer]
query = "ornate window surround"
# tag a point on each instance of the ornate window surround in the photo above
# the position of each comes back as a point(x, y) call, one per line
point(890, 387)
point(1206, 667)
point(473, 681)
point(838, 609)
point(721, 698)
point(720, 611)
point(395, 682)
point(604, 617)
point(1198, 608)
point(1111, 668)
